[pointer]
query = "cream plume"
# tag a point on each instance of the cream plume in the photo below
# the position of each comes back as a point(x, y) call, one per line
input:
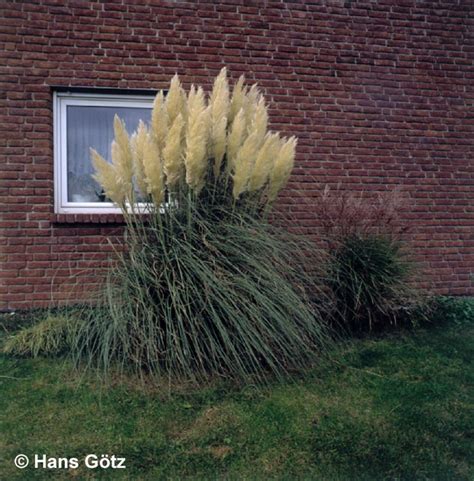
point(282, 168)
point(243, 166)
point(172, 153)
point(244, 163)
point(159, 120)
point(106, 176)
point(138, 145)
point(122, 156)
point(238, 98)
point(236, 138)
point(264, 162)
point(175, 100)
point(219, 103)
point(260, 120)
point(153, 169)
point(197, 133)
point(251, 102)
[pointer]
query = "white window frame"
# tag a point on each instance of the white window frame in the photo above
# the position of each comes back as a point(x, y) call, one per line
point(61, 100)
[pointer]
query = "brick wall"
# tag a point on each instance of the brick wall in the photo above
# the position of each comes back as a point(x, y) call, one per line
point(379, 93)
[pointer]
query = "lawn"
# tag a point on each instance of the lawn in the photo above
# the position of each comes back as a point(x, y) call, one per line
point(397, 407)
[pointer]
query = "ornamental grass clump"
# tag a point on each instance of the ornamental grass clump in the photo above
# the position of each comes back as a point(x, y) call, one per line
point(370, 275)
point(205, 285)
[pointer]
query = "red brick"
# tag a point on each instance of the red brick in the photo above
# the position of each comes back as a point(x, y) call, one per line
point(376, 96)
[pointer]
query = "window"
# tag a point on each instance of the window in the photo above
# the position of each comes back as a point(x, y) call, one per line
point(83, 120)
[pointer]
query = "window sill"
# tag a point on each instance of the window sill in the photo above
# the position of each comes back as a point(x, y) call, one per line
point(87, 218)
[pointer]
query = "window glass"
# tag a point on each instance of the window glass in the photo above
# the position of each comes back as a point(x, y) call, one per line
point(92, 126)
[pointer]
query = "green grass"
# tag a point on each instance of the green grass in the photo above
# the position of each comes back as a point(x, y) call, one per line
point(397, 407)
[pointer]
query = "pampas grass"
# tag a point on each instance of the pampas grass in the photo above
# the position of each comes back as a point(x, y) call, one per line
point(159, 120)
point(107, 177)
point(175, 100)
point(173, 164)
point(235, 139)
point(238, 99)
point(122, 157)
point(138, 143)
point(215, 298)
point(197, 132)
point(282, 168)
point(153, 170)
point(197, 141)
point(205, 286)
point(263, 163)
point(219, 105)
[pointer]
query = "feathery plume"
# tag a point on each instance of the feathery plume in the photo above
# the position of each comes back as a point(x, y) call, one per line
point(138, 143)
point(159, 120)
point(238, 98)
point(122, 156)
point(175, 100)
point(153, 169)
point(244, 162)
point(236, 138)
point(264, 162)
point(243, 165)
point(172, 153)
point(282, 167)
point(219, 103)
point(106, 176)
point(197, 133)
point(260, 120)
point(251, 102)
point(186, 132)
